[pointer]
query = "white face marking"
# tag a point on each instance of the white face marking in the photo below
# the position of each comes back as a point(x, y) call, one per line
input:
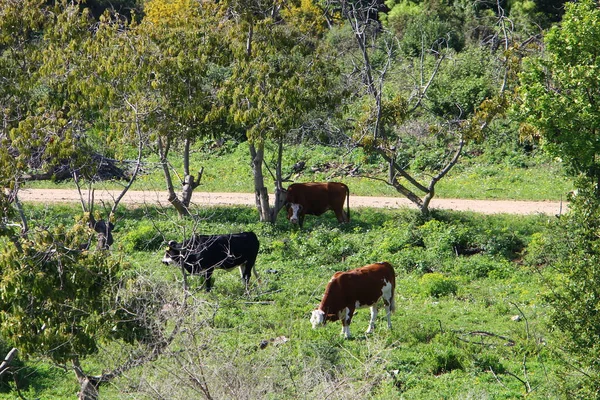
point(317, 318)
point(295, 212)
point(167, 260)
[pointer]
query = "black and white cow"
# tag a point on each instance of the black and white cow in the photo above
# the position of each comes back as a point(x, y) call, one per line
point(202, 254)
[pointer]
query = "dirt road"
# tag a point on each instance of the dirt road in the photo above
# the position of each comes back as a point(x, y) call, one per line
point(137, 198)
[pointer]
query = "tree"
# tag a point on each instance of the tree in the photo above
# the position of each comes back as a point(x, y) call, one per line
point(183, 60)
point(58, 299)
point(559, 92)
point(61, 301)
point(417, 113)
point(280, 73)
point(559, 96)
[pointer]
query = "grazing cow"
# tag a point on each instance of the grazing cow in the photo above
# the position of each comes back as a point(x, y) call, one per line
point(202, 254)
point(315, 198)
point(360, 287)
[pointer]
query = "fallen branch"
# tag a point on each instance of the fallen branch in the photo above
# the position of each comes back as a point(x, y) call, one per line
point(509, 341)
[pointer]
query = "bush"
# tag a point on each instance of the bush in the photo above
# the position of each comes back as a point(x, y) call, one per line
point(442, 238)
point(437, 285)
point(504, 244)
point(416, 259)
point(442, 359)
point(485, 361)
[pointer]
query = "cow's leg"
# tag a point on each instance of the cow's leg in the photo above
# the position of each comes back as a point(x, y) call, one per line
point(246, 271)
point(388, 310)
point(371, 327)
point(341, 215)
point(346, 318)
point(388, 301)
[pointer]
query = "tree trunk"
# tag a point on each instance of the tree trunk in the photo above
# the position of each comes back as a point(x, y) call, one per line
point(163, 151)
point(280, 193)
point(88, 385)
point(189, 183)
point(262, 195)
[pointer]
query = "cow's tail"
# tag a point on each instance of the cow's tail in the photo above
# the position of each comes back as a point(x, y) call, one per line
point(393, 302)
point(348, 203)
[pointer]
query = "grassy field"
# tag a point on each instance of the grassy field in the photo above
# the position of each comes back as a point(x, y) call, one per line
point(504, 177)
point(455, 333)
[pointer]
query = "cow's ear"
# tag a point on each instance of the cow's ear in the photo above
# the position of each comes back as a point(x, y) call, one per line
point(172, 244)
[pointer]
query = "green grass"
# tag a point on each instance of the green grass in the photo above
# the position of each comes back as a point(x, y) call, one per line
point(432, 352)
point(228, 169)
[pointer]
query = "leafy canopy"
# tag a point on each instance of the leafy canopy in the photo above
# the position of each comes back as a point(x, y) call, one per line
point(561, 90)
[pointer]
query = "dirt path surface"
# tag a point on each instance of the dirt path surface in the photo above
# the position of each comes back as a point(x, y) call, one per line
point(138, 198)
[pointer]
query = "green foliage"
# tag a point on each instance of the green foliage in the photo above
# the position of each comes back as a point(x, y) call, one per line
point(442, 238)
point(464, 84)
point(222, 331)
point(567, 256)
point(559, 91)
point(436, 284)
point(424, 26)
point(143, 238)
point(53, 296)
point(278, 80)
point(482, 266)
point(443, 358)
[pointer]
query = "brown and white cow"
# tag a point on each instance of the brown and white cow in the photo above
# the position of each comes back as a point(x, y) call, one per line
point(315, 198)
point(360, 287)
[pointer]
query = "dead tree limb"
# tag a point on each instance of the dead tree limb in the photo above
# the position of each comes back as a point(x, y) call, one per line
point(7, 361)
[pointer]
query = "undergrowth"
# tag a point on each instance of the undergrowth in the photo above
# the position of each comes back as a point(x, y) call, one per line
point(461, 281)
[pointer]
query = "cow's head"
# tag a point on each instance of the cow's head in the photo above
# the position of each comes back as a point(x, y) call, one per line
point(104, 230)
point(317, 318)
point(172, 254)
point(294, 211)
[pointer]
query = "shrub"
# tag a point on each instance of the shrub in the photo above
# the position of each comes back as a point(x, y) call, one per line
point(546, 248)
point(415, 259)
point(504, 244)
point(443, 358)
point(485, 362)
point(442, 238)
point(437, 285)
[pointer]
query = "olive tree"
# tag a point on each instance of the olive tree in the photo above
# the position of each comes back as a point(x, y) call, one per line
point(58, 298)
point(559, 93)
point(280, 73)
point(182, 66)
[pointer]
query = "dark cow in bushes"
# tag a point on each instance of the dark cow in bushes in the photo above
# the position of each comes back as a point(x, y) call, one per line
point(202, 254)
point(360, 287)
point(315, 198)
